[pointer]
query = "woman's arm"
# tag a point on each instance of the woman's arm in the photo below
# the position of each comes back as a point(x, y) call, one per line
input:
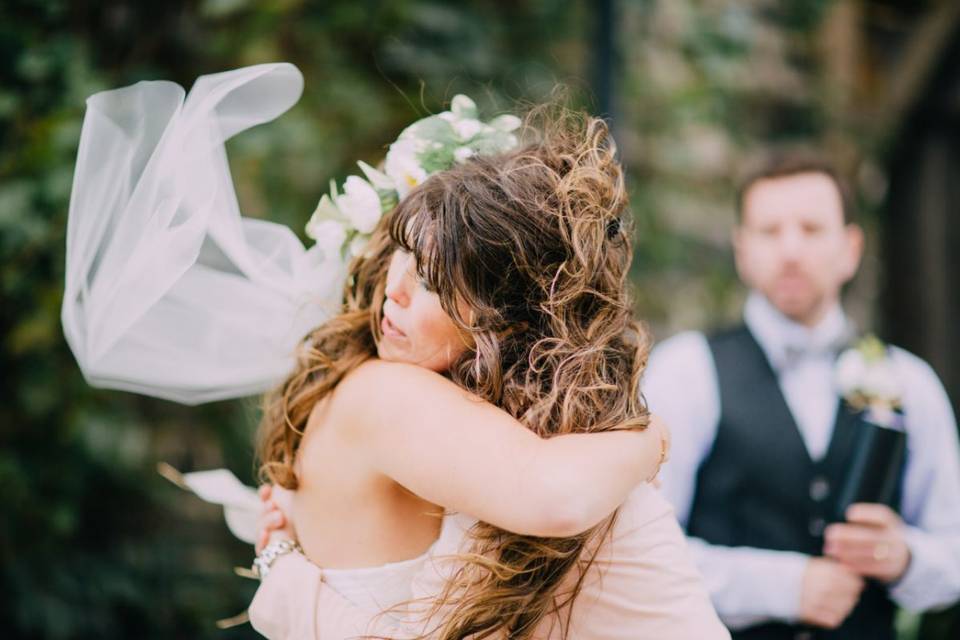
point(451, 448)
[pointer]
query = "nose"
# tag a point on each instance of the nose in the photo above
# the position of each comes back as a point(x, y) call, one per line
point(398, 285)
point(791, 243)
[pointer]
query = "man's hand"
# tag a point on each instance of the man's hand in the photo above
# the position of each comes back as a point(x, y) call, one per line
point(871, 542)
point(273, 522)
point(829, 593)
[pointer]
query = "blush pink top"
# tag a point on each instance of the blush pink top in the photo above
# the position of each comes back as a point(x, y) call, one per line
point(642, 584)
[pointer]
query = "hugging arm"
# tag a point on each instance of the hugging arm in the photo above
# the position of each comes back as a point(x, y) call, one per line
point(650, 588)
point(458, 451)
point(455, 450)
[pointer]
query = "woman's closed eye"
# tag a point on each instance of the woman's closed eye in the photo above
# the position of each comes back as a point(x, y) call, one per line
point(420, 279)
point(422, 282)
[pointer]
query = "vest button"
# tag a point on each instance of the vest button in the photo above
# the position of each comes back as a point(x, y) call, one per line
point(816, 527)
point(819, 488)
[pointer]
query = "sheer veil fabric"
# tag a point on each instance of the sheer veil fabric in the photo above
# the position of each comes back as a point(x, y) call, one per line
point(169, 291)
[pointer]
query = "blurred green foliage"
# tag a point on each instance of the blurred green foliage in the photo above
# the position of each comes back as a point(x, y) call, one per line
point(93, 543)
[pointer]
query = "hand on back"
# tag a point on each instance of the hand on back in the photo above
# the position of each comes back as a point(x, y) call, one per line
point(274, 522)
point(660, 429)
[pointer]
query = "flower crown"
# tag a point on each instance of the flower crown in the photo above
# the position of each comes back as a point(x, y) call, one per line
point(343, 220)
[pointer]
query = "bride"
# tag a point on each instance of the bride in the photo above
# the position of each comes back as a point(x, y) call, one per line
point(484, 332)
point(500, 282)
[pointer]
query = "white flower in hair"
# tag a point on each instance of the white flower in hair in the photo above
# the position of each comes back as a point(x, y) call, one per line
point(463, 107)
point(403, 166)
point(330, 236)
point(507, 122)
point(342, 223)
point(467, 128)
point(360, 203)
point(358, 244)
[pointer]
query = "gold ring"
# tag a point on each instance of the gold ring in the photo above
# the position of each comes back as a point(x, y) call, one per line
point(881, 551)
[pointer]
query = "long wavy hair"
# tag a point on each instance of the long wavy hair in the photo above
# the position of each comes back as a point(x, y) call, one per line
point(536, 243)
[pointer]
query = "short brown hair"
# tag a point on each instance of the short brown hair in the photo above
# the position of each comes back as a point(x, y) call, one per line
point(791, 163)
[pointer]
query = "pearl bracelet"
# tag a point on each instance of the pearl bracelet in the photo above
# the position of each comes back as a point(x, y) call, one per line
point(266, 558)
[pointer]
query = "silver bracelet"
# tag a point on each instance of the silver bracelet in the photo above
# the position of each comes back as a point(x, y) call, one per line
point(266, 558)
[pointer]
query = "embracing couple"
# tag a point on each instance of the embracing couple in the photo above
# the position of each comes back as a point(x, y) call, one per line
point(457, 446)
point(463, 451)
point(461, 448)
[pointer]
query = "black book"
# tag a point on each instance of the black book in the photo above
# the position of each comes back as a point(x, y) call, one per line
point(875, 468)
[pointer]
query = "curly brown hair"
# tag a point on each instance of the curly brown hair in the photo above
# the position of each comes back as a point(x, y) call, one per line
point(536, 243)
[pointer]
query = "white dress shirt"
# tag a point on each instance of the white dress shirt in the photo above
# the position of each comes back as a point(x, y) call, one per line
point(748, 585)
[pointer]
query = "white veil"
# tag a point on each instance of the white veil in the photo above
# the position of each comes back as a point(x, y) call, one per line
point(169, 291)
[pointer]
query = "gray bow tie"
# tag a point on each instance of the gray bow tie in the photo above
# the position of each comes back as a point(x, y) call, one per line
point(796, 352)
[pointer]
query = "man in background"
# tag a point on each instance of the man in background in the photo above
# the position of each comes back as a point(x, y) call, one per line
point(758, 436)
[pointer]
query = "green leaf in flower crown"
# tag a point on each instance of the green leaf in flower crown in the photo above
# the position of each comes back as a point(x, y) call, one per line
point(432, 129)
point(434, 159)
point(494, 143)
point(463, 107)
point(388, 201)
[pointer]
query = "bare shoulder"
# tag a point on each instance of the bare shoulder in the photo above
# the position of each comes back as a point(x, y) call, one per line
point(379, 391)
point(377, 377)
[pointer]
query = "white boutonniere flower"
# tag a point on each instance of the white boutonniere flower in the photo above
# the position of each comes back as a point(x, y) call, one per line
point(867, 379)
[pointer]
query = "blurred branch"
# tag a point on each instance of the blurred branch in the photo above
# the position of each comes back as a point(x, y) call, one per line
point(910, 77)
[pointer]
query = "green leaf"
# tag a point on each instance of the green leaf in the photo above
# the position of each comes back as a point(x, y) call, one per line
point(388, 200)
point(436, 159)
point(432, 129)
point(873, 348)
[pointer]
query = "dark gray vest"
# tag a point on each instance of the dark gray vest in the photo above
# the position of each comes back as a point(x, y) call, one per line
point(759, 487)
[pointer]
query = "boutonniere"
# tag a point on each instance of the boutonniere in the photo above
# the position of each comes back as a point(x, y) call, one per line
point(867, 379)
